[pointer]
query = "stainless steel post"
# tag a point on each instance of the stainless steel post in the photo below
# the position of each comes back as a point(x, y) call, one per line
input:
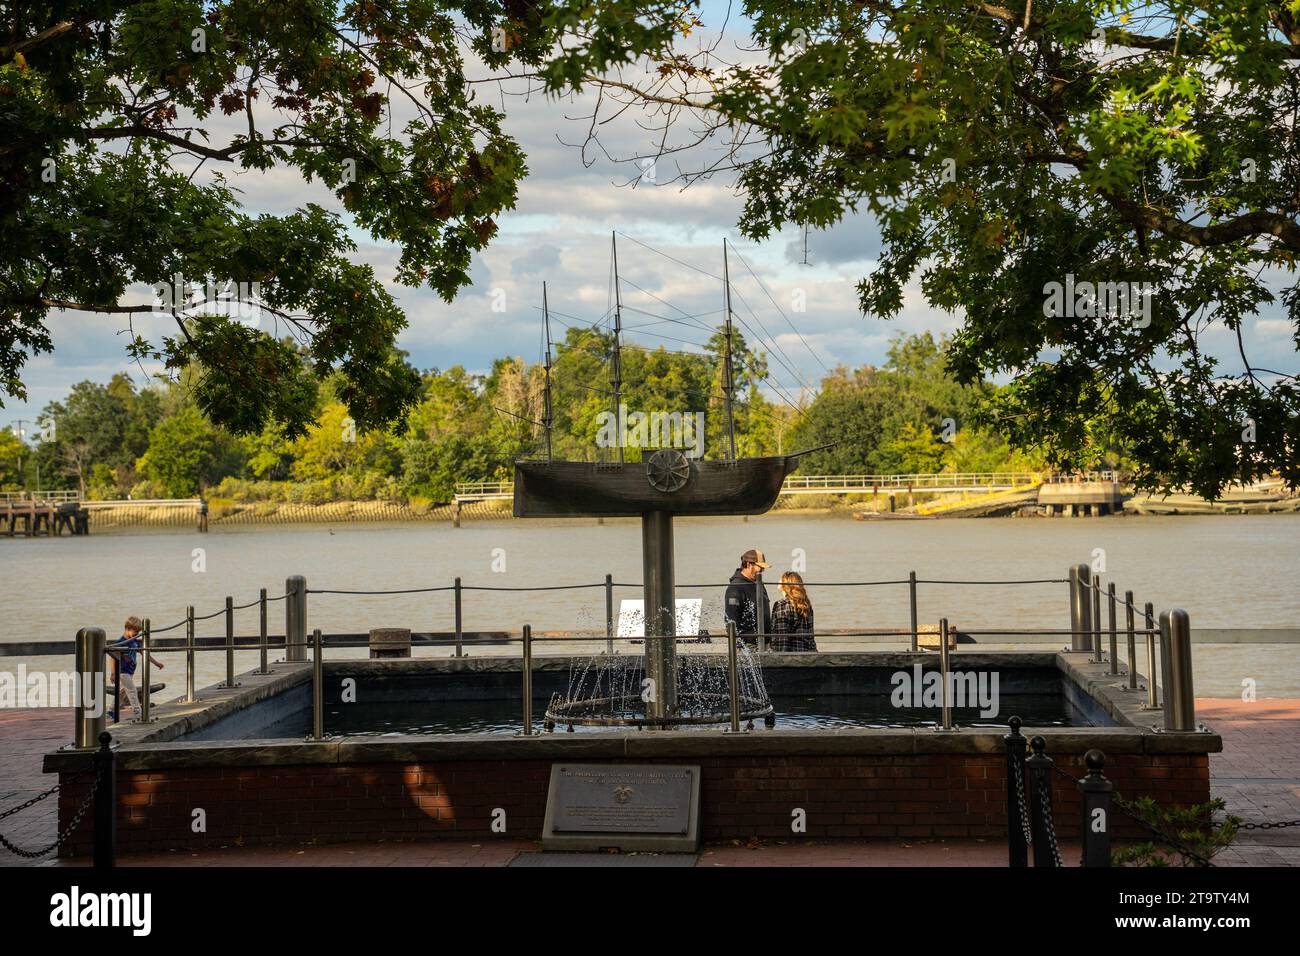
point(1114, 632)
point(1129, 610)
point(261, 629)
point(943, 674)
point(145, 666)
point(660, 612)
point(1180, 697)
point(760, 630)
point(1153, 698)
point(1080, 609)
point(460, 622)
point(189, 655)
point(733, 677)
point(317, 687)
point(230, 642)
point(528, 679)
point(89, 714)
point(1095, 636)
point(609, 614)
point(911, 591)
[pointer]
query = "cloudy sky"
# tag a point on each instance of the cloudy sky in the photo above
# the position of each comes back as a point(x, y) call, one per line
point(560, 232)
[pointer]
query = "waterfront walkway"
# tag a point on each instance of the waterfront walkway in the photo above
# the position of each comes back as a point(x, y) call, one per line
point(1257, 775)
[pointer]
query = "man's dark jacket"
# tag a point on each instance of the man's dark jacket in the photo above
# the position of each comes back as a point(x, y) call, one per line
point(741, 601)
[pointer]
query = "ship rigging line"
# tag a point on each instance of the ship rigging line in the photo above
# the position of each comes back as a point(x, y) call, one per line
point(776, 349)
point(763, 285)
point(771, 342)
point(672, 258)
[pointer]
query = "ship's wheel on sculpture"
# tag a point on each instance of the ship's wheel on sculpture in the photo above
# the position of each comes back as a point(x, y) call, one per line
point(667, 470)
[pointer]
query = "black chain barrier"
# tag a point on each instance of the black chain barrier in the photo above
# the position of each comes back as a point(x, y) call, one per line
point(1166, 838)
point(61, 838)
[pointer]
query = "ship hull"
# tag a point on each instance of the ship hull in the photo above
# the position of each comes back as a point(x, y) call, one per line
point(748, 486)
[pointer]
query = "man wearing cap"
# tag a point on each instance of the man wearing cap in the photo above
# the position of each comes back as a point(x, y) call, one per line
point(745, 593)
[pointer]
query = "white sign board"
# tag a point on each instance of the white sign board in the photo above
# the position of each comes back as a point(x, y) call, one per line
point(631, 617)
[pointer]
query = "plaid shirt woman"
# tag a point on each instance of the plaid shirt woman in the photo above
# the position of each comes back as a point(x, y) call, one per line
point(792, 617)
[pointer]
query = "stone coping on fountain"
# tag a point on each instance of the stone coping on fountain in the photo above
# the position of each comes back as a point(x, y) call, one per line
point(161, 744)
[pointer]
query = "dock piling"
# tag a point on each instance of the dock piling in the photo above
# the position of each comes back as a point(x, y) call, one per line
point(295, 619)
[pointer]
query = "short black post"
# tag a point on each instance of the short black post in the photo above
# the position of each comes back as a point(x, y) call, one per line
point(1096, 791)
point(1017, 848)
point(609, 614)
point(1040, 767)
point(105, 852)
point(460, 623)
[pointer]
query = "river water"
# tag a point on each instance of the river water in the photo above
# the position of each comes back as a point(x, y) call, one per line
point(1227, 571)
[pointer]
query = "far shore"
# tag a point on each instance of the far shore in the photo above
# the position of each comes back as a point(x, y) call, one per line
point(221, 513)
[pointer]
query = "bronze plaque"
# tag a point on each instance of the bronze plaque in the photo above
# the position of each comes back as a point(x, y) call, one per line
point(623, 798)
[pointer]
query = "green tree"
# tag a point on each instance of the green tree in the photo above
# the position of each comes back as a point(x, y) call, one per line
point(849, 410)
point(1007, 151)
point(89, 428)
point(915, 450)
point(109, 110)
point(13, 459)
point(336, 446)
point(188, 454)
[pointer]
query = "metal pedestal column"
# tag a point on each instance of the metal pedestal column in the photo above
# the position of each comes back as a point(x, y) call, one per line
point(660, 612)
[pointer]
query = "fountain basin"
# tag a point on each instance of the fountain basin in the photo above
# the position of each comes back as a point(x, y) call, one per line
point(851, 781)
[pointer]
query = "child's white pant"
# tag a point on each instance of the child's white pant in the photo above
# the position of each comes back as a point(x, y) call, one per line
point(128, 694)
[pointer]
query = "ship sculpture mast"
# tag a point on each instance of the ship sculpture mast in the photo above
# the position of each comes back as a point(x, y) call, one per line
point(616, 366)
point(728, 377)
point(546, 371)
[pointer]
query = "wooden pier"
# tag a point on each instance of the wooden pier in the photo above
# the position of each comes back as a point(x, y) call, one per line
point(43, 517)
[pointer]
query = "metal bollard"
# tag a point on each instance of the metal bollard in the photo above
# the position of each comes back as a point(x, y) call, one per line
point(460, 632)
point(911, 591)
point(1114, 633)
point(317, 687)
point(230, 644)
point(1180, 697)
point(733, 677)
point(1096, 792)
point(1153, 699)
point(105, 819)
point(261, 630)
point(1040, 767)
point(1132, 640)
point(1080, 609)
point(943, 674)
point(143, 716)
point(1095, 637)
point(189, 655)
point(609, 614)
point(89, 714)
point(295, 619)
point(528, 680)
point(1017, 848)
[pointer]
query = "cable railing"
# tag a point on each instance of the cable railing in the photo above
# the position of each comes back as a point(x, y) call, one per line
point(1086, 634)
